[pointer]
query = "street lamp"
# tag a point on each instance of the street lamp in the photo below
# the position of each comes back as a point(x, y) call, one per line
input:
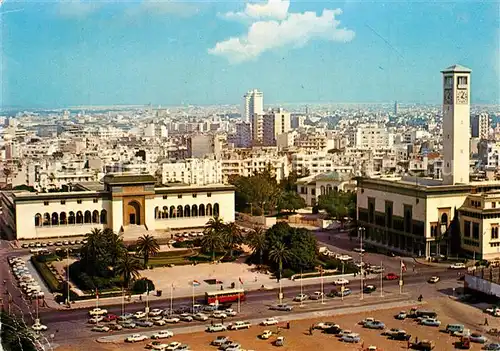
point(361, 231)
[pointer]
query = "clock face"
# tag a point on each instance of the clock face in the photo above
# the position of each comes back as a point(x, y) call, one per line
point(462, 96)
point(448, 97)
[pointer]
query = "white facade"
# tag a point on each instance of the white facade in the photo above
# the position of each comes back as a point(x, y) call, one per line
point(318, 163)
point(253, 103)
point(275, 122)
point(126, 203)
point(193, 171)
point(480, 126)
point(373, 136)
point(456, 124)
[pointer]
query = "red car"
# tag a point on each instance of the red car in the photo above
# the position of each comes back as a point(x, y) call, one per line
point(110, 317)
point(391, 276)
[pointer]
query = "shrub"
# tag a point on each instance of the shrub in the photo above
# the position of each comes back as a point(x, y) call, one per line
point(142, 285)
point(49, 277)
point(287, 273)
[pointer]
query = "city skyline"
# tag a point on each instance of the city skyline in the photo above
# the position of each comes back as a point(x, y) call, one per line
point(205, 53)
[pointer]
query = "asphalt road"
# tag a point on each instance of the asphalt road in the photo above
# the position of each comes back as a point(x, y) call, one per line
point(265, 298)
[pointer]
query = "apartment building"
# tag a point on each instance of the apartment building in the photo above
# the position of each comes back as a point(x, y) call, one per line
point(318, 163)
point(192, 171)
point(373, 136)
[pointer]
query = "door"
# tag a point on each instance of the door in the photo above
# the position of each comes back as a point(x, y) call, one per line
point(132, 218)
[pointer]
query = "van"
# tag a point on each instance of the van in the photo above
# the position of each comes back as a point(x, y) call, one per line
point(422, 313)
point(454, 328)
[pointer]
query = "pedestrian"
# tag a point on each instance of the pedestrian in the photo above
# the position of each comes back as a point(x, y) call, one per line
point(310, 330)
point(211, 322)
point(416, 340)
point(140, 297)
point(288, 325)
point(486, 321)
point(408, 344)
point(256, 279)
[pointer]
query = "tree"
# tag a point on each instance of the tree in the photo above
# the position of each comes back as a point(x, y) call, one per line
point(232, 237)
point(92, 250)
point(338, 204)
point(143, 285)
point(15, 335)
point(290, 201)
point(303, 249)
point(213, 239)
point(114, 245)
point(7, 172)
point(279, 254)
point(147, 245)
point(256, 239)
point(128, 268)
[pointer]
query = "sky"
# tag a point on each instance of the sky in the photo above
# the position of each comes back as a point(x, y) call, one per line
point(208, 52)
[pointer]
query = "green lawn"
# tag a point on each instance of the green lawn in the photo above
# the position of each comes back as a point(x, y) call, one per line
point(181, 257)
point(49, 277)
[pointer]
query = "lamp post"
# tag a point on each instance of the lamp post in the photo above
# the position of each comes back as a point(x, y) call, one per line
point(361, 231)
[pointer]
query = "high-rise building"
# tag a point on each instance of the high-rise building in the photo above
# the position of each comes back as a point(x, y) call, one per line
point(373, 136)
point(243, 134)
point(275, 122)
point(396, 108)
point(253, 103)
point(480, 125)
point(456, 112)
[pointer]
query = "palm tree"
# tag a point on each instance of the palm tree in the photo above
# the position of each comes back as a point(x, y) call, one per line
point(128, 268)
point(115, 245)
point(93, 249)
point(232, 236)
point(147, 245)
point(279, 254)
point(213, 239)
point(7, 172)
point(257, 241)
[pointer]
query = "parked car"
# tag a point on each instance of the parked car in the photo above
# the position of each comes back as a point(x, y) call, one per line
point(239, 325)
point(401, 315)
point(136, 338)
point(301, 297)
point(266, 334)
point(219, 314)
point(160, 321)
point(492, 347)
point(125, 316)
point(172, 319)
point(269, 321)
point(316, 295)
point(186, 317)
point(351, 338)
point(430, 322)
point(95, 319)
point(433, 280)
point(156, 345)
point(230, 312)
point(101, 328)
point(110, 317)
point(115, 326)
point(478, 338)
point(454, 329)
point(155, 312)
point(129, 325)
point(217, 327)
point(221, 339)
point(375, 325)
point(39, 327)
point(424, 345)
point(162, 334)
point(200, 317)
point(402, 336)
point(144, 323)
point(175, 345)
point(280, 341)
point(391, 276)
point(368, 289)
point(393, 331)
point(346, 292)
point(341, 281)
point(98, 311)
point(457, 265)
point(324, 325)
point(366, 320)
point(281, 307)
point(229, 344)
point(140, 314)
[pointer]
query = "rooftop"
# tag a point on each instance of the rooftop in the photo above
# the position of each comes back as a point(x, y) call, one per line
point(457, 69)
point(124, 178)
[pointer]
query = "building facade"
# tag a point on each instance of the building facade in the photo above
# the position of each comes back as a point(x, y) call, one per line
point(480, 126)
point(253, 103)
point(122, 202)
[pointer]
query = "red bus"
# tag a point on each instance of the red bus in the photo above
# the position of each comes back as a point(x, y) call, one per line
point(223, 296)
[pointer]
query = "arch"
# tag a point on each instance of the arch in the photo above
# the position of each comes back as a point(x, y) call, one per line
point(328, 189)
point(134, 213)
point(157, 212)
point(444, 219)
point(165, 212)
point(180, 211)
point(54, 218)
point(209, 210)
point(187, 211)
point(104, 217)
point(322, 190)
point(46, 218)
point(172, 212)
point(216, 210)
point(38, 220)
point(79, 217)
point(194, 211)
point(71, 218)
point(87, 217)
point(95, 216)
point(335, 188)
point(63, 220)
point(201, 210)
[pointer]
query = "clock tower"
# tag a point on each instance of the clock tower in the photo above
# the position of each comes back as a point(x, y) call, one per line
point(456, 124)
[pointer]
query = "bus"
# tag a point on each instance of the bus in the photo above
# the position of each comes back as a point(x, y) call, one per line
point(224, 296)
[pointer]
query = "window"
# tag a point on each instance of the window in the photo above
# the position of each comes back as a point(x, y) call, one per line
point(179, 196)
point(467, 229)
point(45, 203)
point(63, 202)
point(494, 232)
point(461, 81)
point(475, 230)
point(209, 194)
point(493, 204)
point(78, 201)
point(95, 201)
point(448, 82)
point(194, 195)
point(165, 197)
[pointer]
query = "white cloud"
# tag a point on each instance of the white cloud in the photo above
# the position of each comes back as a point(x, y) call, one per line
point(295, 30)
point(165, 7)
point(273, 9)
point(76, 8)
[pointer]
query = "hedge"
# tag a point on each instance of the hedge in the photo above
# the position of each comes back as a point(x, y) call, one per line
point(49, 277)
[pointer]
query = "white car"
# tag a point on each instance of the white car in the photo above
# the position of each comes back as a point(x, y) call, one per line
point(301, 297)
point(39, 327)
point(433, 279)
point(171, 319)
point(186, 317)
point(200, 317)
point(95, 319)
point(162, 334)
point(136, 338)
point(140, 314)
point(160, 322)
point(457, 265)
point(98, 311)
point(341, 281)
point(358, 249)
point(219, 314)
point(155, 312)
point(230, 312)
point(269, 321)
point(239, 325)
point(173, 346)
point(316, 295)
point(217, 327)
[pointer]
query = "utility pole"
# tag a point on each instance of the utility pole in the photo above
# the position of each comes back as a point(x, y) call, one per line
point(361, 230)
point(67, 277)
point(301, 290)
point(381, 279)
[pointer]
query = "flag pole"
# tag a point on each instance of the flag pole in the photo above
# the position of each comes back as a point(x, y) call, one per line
point(193, 295)
point(381, 278)
point(401, 277)
point(239, 295)
point(301, 289)
point(171, 298)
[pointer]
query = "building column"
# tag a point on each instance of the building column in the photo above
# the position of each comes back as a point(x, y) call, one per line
point(427, 249)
